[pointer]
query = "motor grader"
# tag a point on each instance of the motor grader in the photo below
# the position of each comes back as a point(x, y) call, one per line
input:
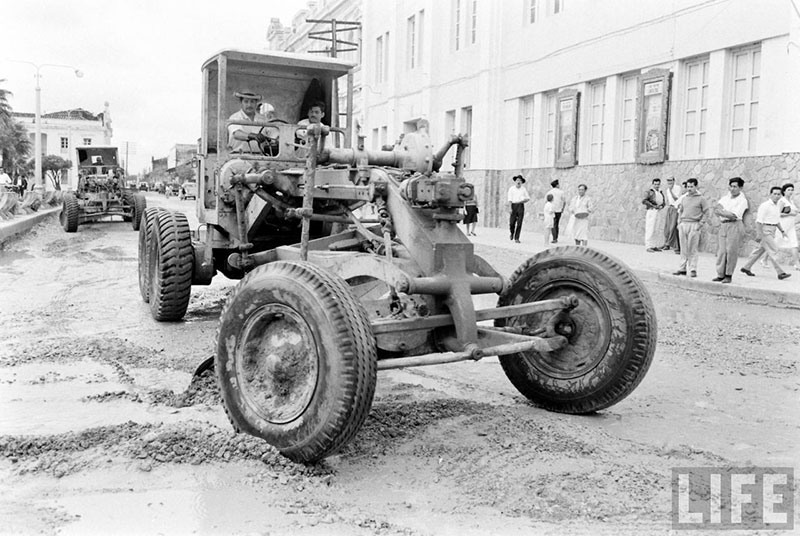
point(331, 293)
point(101, 191)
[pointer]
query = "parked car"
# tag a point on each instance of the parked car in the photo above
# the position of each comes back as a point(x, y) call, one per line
point(158, 187)
point(188, 189)
point(172, 188)
point(143, 187)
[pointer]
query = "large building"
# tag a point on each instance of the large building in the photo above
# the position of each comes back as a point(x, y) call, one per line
point(606, 94)
point(62, 132)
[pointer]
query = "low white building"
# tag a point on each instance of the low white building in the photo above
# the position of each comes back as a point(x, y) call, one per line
point(62, 132)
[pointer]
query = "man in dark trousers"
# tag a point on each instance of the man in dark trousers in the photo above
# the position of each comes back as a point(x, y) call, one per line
point(517, 197)
point(559, 202)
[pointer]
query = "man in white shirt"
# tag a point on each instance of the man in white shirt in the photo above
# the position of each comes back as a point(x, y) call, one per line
point(767, 220)
point(248, 138)
point(730, 210)
point(672, 193)
point(559, 202)
point(654, 216)
point(517, 197)
point(5, 180)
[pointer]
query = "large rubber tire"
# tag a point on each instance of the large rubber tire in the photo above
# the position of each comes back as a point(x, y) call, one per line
point(139, 205)
point(296, 361)
point(171, 262)
point(611, 333)
point(145, 237)
point(70, 212)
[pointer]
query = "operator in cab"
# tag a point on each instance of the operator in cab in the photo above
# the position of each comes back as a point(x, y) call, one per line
point(249, 138)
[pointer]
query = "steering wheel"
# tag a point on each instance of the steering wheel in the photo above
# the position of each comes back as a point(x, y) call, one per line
point(271, 146)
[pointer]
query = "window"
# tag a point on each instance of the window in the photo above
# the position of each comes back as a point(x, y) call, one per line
point(384, 136)
point(597, 116)
point(549, 124)
point(420, 34)
point(64, 143)
point(695, 108)
point(526, 115)
point(466, 128)
point(627, 115)
point(87, 141)
point(411, 41)
point(746, 75)
point(375, 139)
point(473, 25)
point(379, 59)
point(457, 24)
point(533, 11)
point(450, 122)
point(555, 7)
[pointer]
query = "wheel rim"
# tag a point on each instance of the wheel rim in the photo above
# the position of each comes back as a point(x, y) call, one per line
point(277, 363)
point(587, 327)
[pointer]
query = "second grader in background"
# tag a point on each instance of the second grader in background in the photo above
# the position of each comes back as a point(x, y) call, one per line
point(549, 213)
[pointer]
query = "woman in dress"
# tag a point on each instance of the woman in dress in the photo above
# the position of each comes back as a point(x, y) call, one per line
point(788, 209)
point(580, 207)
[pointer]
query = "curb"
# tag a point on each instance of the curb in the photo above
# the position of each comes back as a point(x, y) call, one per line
point(12, 228)
point(760, 296)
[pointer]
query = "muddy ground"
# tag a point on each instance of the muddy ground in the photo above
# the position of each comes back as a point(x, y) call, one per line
point(103, 431)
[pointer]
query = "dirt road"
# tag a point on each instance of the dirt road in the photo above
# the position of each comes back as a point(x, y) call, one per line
point(102, 431)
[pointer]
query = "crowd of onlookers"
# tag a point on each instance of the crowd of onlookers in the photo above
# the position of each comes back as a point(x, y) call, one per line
point(675, 218)
point(18, 184)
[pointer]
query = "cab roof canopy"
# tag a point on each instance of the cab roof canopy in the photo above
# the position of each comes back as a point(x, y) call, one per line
point(287, 81)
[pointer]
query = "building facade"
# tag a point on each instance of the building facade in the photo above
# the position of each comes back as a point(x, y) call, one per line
point(62, 132)
point(587, 92)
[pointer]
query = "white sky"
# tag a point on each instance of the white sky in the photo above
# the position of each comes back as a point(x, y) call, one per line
point(142, 56)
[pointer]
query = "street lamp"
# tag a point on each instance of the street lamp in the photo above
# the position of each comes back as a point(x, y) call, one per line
point(38, 118)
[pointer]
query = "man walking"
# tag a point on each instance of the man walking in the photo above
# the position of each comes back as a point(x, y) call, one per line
point(517, 197)
point(654, 202)
point(671, 194)
point(767, 220)
point(730, 210)
point(559, 202)
point(691, 213)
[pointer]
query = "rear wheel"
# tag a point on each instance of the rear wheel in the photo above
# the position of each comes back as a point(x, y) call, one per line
point(145, 238)
point(139, 205)
point(70, 212)
point(296, 360)
point(611, 333)
point(170, 262)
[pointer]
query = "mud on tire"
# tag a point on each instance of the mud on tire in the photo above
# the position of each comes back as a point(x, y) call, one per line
point(170, 266)
point(70, 212)
point(296, 361)
point(612, 332)
point(145, 237)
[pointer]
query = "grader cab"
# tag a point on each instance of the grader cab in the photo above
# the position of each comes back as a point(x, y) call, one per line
point(331, 292)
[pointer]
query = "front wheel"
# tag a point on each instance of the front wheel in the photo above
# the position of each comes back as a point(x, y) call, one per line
point(170, 266)
point(296, 360)
point(611, 333)
point(70, 212)
point(139, 205)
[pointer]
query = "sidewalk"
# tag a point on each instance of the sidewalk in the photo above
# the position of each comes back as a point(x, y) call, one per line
point(22, 223)
point(765, 287)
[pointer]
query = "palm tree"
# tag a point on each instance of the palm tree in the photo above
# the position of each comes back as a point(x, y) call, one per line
point(15, 145)
point(5, 108)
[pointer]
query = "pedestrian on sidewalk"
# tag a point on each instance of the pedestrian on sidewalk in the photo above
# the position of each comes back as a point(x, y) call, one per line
point(471, 214)
point(580, 207)
point(788, 208)
point(672, 193)
point(730, 210)
point(559, 203)
point(692, 213)
point(654, 203)
point(517, 197)
point(549, 214)
point(767, 221)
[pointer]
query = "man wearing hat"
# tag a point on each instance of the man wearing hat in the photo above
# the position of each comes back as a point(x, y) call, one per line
point(517, 197)
point(247, 138)
point(559, 202)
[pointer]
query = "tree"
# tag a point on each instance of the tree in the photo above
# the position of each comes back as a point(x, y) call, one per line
point(53, 167)
point(5, 108)
point(185, 173)
point(15, 146)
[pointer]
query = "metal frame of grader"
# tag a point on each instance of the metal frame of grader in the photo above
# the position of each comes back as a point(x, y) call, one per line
point(328, 297)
